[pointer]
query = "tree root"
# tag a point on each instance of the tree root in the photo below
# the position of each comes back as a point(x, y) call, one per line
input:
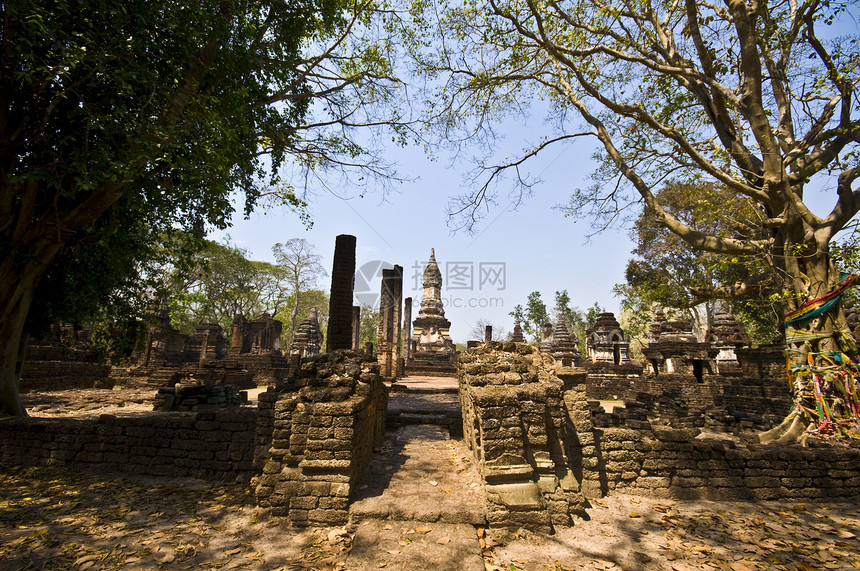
point(788, 431)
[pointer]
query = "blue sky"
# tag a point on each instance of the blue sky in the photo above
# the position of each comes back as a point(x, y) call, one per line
point(517, 251)
point(539, 249)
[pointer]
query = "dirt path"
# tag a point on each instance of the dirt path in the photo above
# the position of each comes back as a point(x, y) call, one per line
point(421, 475)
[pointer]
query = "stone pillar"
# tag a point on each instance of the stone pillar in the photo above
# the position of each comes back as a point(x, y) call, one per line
point(204, 347)
point(385, 333)
point(488, 333)
point(339, 335)
point(356, 327)
point(397, 311)
point(407, 328)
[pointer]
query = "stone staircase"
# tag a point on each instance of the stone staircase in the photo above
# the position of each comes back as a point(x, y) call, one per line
point(425, 400)
point(412, 409)
point(430, 364)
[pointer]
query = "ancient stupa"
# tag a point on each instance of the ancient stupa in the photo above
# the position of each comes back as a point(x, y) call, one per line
point(432, 348)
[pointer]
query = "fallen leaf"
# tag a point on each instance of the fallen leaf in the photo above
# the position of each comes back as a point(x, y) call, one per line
point(337, 534)
point(422, 529)
point(233, 551)
point(634, 514)
point(443, 540)
point(434, 483)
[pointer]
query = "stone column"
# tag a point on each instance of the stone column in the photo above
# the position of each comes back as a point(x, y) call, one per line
point(407, 328)
point(339, 335)
point(488, 333)
point(385, 332)
point(356, 327)
point(397, 311)
point(203, 349)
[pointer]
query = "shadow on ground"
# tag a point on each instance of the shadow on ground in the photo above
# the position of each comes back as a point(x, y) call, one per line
point(58, 519)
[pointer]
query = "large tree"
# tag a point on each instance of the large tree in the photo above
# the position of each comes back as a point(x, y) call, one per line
point(758, 96)
point(301, 268)
point(666, 271)
point(223, 283)
point(161, 109)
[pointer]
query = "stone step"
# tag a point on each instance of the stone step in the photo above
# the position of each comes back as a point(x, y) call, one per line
point(429, 390)
point(430, 371)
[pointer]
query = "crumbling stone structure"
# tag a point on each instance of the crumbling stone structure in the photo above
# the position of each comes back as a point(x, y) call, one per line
point(256, 336)
point(611, 373)
point(606, 341)
point(661, 462)
point(561, 343)
point(432, 350)
point(307, 342)
point(727, 336)
point(198, 398)
point(406, 331)
point(686, 384)
point(517, 336)
point(528, 424)
point(546, 338)
point(323, 431)
point(356, 327)
point(674, 349)
point(65, 359)
point(169, 357)
point(256, 347)
point(161, 445)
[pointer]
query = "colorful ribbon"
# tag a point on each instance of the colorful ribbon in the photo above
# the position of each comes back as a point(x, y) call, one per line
point(817, 307)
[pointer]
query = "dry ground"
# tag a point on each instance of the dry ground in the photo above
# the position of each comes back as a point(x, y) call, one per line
point(52, 518)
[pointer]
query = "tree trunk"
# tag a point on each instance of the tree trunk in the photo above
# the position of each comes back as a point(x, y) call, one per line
point(822, 380)
point(15, 299)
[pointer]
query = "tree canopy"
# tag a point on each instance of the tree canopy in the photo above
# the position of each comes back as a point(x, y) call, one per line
point(760, 97)
point(668, 272)
point(156, 111)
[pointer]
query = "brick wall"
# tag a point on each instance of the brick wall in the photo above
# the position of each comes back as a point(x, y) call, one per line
point(322, 436)
point(211, 445)
point(672, 463)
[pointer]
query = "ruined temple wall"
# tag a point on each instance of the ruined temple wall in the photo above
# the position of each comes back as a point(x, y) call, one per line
point(50, 365)
point(675, 464)
point(723, 396)
point(765, 363)
point(611, 382)
point(208, 445)
point(42, 376)
point(530, 431)
point(322, 436)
